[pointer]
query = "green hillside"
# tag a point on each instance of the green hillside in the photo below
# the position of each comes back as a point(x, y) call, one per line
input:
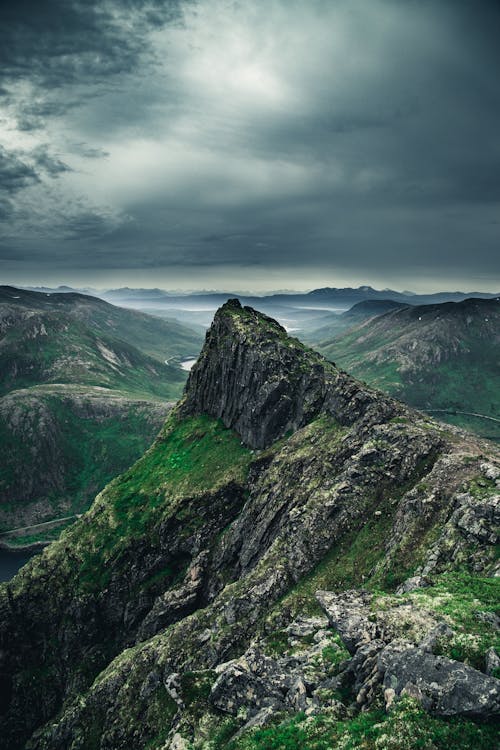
point(85, 341)
point(84, 389)
point(74, 439)
point(436, 357)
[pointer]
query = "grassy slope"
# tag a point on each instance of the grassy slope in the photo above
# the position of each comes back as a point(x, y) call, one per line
point(94, 435)
point(158, 338)
point(68, 351)
point(432, 357)
point(190, 457)
point(83, 342)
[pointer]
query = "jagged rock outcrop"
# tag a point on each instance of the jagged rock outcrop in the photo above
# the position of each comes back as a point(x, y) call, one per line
point(392, 649)
point(263, 384)
point(190, 579)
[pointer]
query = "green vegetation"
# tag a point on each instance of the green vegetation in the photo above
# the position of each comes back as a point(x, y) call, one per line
point(75, 441)
point(464, 601)
point(407, 727)
point(191, 457)
point(435, 357)
point(70, 352)
point(358, 558)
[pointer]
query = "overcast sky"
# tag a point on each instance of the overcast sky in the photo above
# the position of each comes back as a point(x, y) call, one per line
point(258, 144)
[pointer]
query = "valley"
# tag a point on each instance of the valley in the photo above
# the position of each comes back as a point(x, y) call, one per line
point(84, 390)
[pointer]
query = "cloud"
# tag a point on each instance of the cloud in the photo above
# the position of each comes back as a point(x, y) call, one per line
point(320, 138)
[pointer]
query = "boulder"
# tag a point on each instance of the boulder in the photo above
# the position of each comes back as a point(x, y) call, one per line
point(444, 687)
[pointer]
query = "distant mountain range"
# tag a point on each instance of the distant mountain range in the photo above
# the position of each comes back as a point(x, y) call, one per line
point(296, 311)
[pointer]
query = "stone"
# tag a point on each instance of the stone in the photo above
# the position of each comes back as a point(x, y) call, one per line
point(492, 660)
point(348, 613)
point(444, 687)
point(236, 687)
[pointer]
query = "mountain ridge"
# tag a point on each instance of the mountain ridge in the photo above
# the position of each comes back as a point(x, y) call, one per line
point(165, 617)
point(444, 356)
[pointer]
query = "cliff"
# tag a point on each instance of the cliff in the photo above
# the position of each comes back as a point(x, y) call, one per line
point(292, 542)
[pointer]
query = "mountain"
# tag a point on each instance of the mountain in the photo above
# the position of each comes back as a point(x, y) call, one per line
point(83, 389)
point(74, 439)
point(335, 323)
point(157, 338)
point(362, 293)
point(296, 311)
point(436, 357)
point(295, 552)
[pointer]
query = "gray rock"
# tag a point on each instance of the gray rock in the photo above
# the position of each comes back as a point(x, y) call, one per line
point(492, 661)
point(415, 582)
point(348, 613)
point(293, 387)
point(444, 687)
point(236, 687)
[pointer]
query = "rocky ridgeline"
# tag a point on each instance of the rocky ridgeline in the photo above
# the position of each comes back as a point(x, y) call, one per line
point(264, 384)
point(235, 578)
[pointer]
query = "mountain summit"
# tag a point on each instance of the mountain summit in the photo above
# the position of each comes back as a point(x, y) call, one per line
point(263, 384)
point(293, 549)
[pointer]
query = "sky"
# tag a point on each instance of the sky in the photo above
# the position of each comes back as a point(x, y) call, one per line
point(250, 144)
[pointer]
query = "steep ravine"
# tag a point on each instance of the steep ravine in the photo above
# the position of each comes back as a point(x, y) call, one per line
point(276, 477)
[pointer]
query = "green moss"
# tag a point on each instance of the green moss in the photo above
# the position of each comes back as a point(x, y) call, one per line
point(407, 727)
point(196, 687)
point(191, 457)
point(481, 487)
point(465, 601)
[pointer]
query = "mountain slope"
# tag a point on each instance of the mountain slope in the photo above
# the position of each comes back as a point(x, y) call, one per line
point(74, 440)
point(334, 324)
point(443, 356)
point(158, 338)
point(76, 339)
point(275, 477)
point(81, 383)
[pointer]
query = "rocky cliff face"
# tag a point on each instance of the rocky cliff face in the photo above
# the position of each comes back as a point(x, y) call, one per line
point(293, 541)
point(263, 384)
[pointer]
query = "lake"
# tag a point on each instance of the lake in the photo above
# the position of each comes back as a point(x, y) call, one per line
point(187, 364)
point(12, 560)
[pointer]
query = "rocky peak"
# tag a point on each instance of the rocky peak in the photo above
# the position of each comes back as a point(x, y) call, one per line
point(264, 384)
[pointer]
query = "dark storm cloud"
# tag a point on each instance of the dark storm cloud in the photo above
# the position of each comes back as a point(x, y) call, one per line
point(14, 173)
point(345, 138)
point(67, 41)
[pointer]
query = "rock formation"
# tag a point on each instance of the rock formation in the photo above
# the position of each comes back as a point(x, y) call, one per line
point(293, 542)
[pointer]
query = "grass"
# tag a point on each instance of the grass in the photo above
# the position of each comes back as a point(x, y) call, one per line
point(407, 727)
point(72, 352)
point(435, 361)
point(462, 599)
point(353, 561)
point(81, 455)
point(191, 457)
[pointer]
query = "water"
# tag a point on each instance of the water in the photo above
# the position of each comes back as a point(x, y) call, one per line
point(187, 364)
point(12, 560)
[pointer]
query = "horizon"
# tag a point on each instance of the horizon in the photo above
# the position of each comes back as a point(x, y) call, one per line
point(244, 293)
